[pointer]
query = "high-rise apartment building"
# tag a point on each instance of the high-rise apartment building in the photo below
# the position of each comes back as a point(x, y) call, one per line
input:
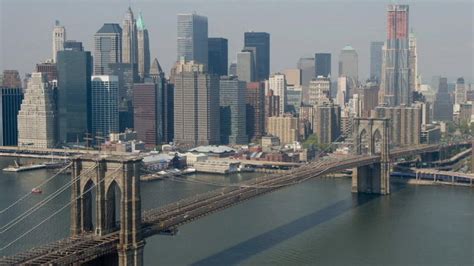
point(322, 65)
point(319, 91)
point(272, 106)
point(148, 119)
point(396, 70)
point(443, 105)
point(255, 112)
point(107, 48)
point(193, 38)
point(37, 116)
point(367, 99)
point(218, 56)
point(405, 124)
point(143, 49)
point(232, 111)
point(129, 39)
point(376, 58)
point(261, 42)
point(349, 65)
point(326, 123)
point(196, 105)
point(59, 37)
point(104, 106)
point(73, 96)
point(284, 127)
point(277, 83)
point(293, 77)
point(10, 102)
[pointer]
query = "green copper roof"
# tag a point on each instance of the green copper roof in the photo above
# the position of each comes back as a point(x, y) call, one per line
point(140, 23)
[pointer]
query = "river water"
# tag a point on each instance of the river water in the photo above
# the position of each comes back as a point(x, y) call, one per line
point(316, 222)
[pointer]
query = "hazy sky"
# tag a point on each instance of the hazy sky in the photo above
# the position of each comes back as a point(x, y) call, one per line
point(298, 28)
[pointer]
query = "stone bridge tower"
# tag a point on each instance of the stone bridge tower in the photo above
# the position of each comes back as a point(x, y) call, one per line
point(372, 137)
point(111, 178)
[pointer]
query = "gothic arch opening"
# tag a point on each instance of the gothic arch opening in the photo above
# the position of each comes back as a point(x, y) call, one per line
point(88, 206)
point(112, 206)
point(363, 142)
point(377, 141)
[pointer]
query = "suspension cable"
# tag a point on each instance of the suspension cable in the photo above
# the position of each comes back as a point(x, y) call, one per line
point(54, 214)
point(43, 202)
point(40, 185)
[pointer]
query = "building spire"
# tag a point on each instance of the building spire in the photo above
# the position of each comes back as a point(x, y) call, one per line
point(140, 22)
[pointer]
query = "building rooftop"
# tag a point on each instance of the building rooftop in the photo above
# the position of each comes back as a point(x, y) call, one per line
point(212, 149)
point(110, 28)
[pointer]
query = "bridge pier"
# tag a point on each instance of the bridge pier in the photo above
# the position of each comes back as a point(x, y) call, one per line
point(371, 136)
point(105, 175)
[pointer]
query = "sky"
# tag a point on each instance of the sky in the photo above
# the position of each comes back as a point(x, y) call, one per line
point(298, 28)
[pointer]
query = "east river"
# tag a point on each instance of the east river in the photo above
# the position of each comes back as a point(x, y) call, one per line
point(316, 222)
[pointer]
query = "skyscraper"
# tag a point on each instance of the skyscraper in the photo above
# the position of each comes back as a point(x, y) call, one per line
point(277, 83)
point(10, 102)
point(349, 65)
point(232, 111)
point(37, 116)
point(246, 66)
point(218, 56)
point(49, 69)
point(143, 48)
point(166, 109)
point(255, 113)
point(73, 45)
point(460, 92)
point(413, 62)
point(107, 48)
point(306, 64)
point(376, 56)
point(11, 79)
point(322, 64)
point(73, 97)
point(443, 105)
point(59, 37)
point(104, 105)
point(148, 120)
point(319, 91)
point(396, 71)
point(129, 38)
point(327, 123)
point(193, 38)
point(196, 106)
point(261, 42)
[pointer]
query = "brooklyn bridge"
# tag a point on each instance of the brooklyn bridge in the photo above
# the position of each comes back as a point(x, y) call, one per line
point(98, 239)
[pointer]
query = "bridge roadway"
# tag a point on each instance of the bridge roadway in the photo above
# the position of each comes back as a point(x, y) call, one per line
point(88, 247)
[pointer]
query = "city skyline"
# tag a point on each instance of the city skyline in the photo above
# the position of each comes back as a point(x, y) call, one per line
point(286, 44)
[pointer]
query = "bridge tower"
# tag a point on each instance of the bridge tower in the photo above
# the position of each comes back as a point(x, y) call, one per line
point(371, 137)
point(110, 174)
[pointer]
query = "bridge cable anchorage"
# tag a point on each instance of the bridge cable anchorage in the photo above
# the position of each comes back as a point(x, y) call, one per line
point(56, 212)
point(43, 202)
point(40, 185)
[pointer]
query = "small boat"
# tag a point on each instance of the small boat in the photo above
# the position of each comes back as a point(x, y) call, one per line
point(189, 171)
point(36, 190)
